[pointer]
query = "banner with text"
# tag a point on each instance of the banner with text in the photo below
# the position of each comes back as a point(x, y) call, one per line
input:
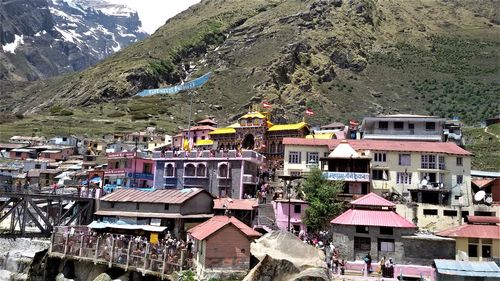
point(347, 176)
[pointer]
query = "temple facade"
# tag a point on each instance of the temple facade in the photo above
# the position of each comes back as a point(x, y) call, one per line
point(255, 131)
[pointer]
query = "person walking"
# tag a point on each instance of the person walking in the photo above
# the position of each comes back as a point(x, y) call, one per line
point(381, 265)
point(368, 264)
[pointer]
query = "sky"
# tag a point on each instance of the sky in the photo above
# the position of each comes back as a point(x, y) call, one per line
point(154, 13)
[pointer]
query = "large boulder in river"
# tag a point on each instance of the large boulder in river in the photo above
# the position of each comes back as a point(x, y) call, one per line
point(284, 257)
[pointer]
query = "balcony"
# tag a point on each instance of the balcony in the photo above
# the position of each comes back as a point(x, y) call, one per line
point(250, 179)
point(231, 154)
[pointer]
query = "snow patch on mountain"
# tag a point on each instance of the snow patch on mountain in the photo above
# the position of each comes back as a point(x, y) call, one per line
point(11, 47)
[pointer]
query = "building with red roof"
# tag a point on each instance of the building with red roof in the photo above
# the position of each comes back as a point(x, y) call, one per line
point(243, 209)
point(371, 226)
point(222, 247)
point(478, 240)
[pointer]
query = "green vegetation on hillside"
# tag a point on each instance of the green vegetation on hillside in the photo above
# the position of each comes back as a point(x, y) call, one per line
point(485, 145)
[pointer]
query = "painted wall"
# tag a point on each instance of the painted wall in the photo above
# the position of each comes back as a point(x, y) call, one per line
point(303, 166)
point(462, 245)
point(281, 213)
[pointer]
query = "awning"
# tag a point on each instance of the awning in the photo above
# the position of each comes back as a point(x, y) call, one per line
point(467, 268)
point(123, 225)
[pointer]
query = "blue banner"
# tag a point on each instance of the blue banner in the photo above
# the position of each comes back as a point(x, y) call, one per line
point(193, 84)
point(142, 176)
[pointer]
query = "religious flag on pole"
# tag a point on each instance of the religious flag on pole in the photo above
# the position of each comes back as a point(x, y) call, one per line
point(309, 112)
point(185, 145)
point(265, 104)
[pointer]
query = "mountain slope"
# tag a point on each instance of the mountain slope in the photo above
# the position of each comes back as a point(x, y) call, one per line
point(345, 59)
point(40, 39)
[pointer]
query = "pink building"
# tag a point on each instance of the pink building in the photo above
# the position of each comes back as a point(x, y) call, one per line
point(195, 133)
point(127, 169)
point(57, 154)
point(295, 209)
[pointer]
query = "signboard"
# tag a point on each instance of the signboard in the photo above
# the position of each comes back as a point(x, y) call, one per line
point(347, 176)
point(114, 172)
point(120, 155)
point(153, 238)
point(141, 176)
point(193, 84)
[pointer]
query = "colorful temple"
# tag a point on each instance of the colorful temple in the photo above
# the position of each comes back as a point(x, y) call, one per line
point(255, 131)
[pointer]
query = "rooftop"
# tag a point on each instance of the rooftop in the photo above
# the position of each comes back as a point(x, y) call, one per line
point(385, 145)
point(223, 131)
point(372, 199)
point(467, 268)
point(164, 196)
point(200, 128)
point(472, 231)
point(372, 218)
point(206, 229)
point(253, 115)
point(235, 204)
point(287, 127)
point(483, 220)
point(333, 125)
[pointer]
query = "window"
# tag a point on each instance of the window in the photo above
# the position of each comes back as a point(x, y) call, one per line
point(386, 245)
point(201, 170)
point(383, 125)
point(380, 157)
point(460, 161)
point(189, 170)
point(272, 147)
point(430, 126)
point(386, 230)
point(442, 163)
point(137, 206)
point(223, 171)
point(112, 205)
point(450, 213)
point(294, 157)
point(297, 208)
point(473, 250)
point(398, 125)
point(430, 212)
point(380, 175)
point(460, 179)
point(312, 157)
point(403, 178)
point(166, 207)
point(362, 229)
point(38, 166)
point(325, 154)
point(404, 159)
point(362, 243)
point(486, 251)
point(428, 161)
point(169, 170)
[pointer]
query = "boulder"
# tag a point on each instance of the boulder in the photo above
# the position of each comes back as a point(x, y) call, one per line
point(283, 257)
point(103, 277)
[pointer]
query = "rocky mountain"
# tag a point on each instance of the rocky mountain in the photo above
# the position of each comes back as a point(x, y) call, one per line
point(44, 38)
point(343, 58)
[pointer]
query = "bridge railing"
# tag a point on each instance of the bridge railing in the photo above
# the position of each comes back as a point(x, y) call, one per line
point(128, 251)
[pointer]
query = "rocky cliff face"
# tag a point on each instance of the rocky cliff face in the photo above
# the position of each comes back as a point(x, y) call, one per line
point(44, 38)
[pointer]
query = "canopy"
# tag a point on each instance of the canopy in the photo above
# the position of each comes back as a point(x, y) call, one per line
point(123, 225)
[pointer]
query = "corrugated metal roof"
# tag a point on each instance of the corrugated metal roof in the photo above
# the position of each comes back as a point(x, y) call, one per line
point(483, 219)
point(484, 174)
point(385, 145)
point(167, 196)
point(287, 127)
point(223, 131)
point(204, 230)
point(482, 182)
point(472, 231)
point(235, 204)
point(151, 215)
point(372, 218)
point(467, 268)
point(372, 199)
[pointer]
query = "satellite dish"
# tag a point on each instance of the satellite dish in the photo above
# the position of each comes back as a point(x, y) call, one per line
point(488, 200)
point(479, 195)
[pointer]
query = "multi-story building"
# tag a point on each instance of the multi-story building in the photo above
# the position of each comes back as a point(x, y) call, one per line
point(224, 174)
point(128, 169)
point(404, 127)
point(436, 175)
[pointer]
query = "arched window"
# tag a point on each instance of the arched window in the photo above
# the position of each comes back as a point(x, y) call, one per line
point(189, 170)
point(280, 147)
point(272, 148)
point(201, 170)
point(169, 170)
point(223, 170)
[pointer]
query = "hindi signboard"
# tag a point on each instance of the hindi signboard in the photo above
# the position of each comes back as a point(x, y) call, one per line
point(193, 84)
point(347, 176)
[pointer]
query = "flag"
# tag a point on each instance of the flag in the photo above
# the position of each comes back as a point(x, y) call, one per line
point(266, 104)
point(185, 145)
point(309, 112)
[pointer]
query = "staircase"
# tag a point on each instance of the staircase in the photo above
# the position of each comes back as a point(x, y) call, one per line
point(266, 218)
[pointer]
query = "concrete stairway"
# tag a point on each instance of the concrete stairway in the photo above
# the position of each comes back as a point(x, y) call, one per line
point(265, 217)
